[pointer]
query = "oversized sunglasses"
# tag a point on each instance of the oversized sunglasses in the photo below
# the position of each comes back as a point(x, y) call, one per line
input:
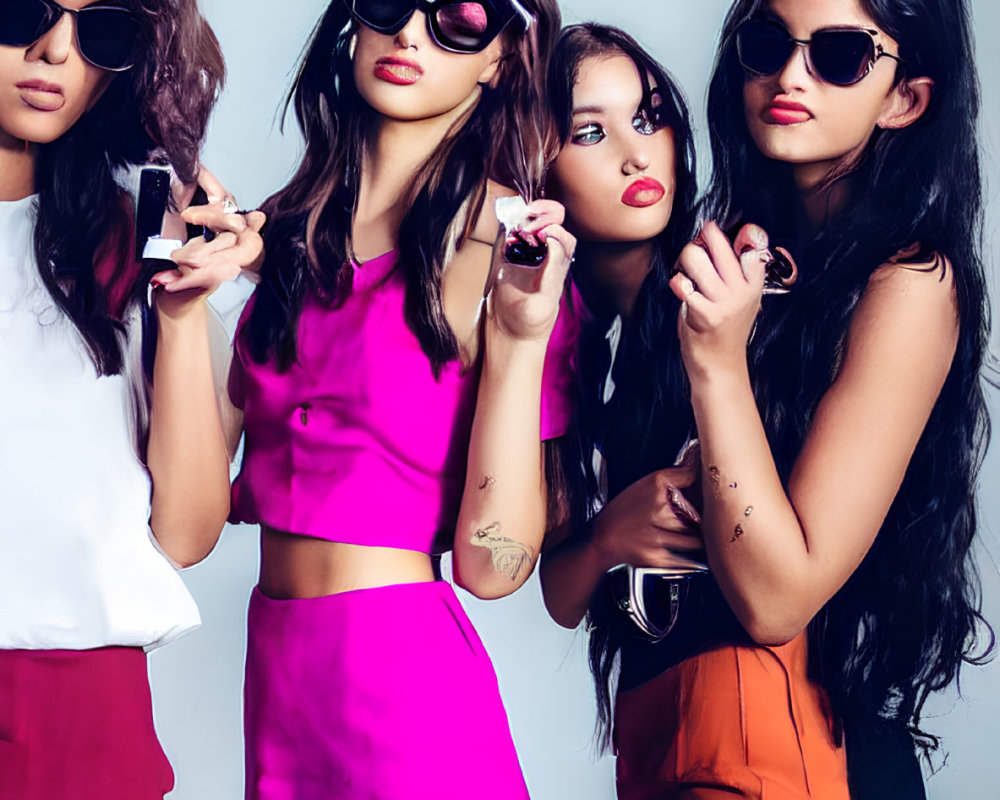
point(106, 34)
point(458, 26)
point(841, 56)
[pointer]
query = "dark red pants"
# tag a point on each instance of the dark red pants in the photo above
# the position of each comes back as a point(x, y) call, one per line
point(78, 725)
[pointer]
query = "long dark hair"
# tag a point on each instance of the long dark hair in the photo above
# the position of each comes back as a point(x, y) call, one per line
point(903, 624)
point(162, 103)
point(651, 385)
point(505, 138)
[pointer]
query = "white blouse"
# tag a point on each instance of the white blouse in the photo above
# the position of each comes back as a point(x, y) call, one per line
point(79, 567)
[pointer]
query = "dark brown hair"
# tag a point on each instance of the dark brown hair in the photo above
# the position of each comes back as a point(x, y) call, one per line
point(505, 137)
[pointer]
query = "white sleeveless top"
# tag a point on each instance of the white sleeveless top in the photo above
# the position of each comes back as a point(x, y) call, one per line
point(79, 568)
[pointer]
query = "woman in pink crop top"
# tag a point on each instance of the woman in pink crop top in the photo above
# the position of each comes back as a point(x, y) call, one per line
point(390, 414)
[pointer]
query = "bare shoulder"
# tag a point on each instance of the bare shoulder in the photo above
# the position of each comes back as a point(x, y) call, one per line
point(909, 307)
point(914, 287)
point(487, 226)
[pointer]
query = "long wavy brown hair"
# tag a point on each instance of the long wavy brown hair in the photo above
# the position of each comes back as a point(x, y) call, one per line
point(159, 108)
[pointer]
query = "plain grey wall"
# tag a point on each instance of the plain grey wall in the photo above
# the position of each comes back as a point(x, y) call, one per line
point(197, 681)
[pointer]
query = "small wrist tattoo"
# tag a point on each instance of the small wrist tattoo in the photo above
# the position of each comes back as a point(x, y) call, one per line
point(487, 482)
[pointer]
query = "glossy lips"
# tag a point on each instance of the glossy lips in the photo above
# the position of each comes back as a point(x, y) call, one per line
point(42, 96)
point(398, 71)
point(643, 192)
point(785, 112)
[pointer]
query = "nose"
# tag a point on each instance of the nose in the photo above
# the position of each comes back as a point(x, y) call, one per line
point(636, 157)
point(55, 44)
point(413, 33)
point(796, 70)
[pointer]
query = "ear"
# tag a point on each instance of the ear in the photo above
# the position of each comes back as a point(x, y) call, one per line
point(491, 72)
point(906, 103)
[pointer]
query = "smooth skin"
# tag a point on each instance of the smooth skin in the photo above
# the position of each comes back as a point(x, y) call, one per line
point(190, 495)
point(798, 548)
point(648, 524)
point(412, 120)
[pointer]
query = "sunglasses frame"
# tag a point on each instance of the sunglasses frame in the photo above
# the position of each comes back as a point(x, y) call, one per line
point(878, 51)
point(518, 12)
point(55, 13)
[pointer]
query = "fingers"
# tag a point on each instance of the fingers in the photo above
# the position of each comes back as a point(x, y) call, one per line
point(214, 189)
point(667, 559)
point(561, 244)
point(695, 264)
point(722, 253)
point(183, 279)
point(213, 216)
point(542, 213)
point(752, 245)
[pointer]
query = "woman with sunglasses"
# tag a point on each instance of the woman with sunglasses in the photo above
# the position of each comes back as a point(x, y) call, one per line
point(390, 413)
point(841, 425)
point(87, 579)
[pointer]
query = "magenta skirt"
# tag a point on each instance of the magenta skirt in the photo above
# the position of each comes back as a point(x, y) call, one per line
point(380, 694)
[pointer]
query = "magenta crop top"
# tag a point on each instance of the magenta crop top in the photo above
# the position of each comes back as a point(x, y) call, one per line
point(357, 442)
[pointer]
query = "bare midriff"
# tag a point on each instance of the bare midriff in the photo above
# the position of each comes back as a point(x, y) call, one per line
point(296, 567)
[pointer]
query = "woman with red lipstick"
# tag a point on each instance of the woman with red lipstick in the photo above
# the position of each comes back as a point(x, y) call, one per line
point(391, 413)
point(87, 575)
point(625, 175)
point(841, 425)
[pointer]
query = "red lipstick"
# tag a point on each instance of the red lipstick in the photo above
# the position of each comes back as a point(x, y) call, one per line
point(643, 192)
point(398, 71)
point(42, 96)
point(786, 112)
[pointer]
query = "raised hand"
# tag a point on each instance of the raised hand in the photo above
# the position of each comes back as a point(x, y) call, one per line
point(524, 301)
point(721, 285)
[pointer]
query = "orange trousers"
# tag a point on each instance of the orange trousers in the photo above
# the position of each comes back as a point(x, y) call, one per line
point(731, 722)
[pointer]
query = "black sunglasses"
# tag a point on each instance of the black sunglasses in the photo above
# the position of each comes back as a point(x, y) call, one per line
point(106, 34)
point(841, 56)
point(458, 26)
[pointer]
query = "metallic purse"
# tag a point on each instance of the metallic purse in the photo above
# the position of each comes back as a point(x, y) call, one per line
point(652, 597)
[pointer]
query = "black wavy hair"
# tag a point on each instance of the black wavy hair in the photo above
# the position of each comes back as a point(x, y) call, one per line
point(910, 615)
point(505, 138)
point(162, 104)
point(652, 411)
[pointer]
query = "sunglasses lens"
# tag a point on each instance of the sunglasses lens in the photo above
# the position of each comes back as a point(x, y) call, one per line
point(763, 47)
point(384, 16)
point(463, 26)
point(108, 37)
point(841, 57)
point(22, 22)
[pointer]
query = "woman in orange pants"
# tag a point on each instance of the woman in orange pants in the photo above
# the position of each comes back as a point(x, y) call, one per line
point(841, 425)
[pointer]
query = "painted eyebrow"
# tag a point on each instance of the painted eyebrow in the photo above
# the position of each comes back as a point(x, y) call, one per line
point(588, 110)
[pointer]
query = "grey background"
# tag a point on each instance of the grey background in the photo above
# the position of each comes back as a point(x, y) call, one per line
point(197, 681)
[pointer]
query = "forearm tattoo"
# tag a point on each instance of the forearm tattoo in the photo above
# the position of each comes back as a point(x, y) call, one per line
point(739, 530)
point(716, 478)
point(508, 555)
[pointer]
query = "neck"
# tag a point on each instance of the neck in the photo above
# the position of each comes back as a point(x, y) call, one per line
point(610, 274)
point(17, 168)
point(396, 152)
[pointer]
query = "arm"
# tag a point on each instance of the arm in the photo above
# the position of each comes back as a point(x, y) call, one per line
point(188, 455)
point(503, 512)
point(779, 557)
point(649, 524)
